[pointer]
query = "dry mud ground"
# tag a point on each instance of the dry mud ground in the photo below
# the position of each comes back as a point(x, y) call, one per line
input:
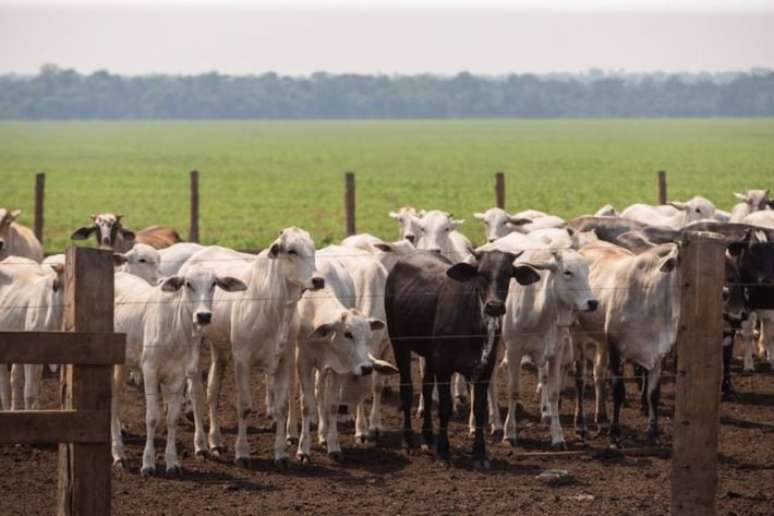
point(381, 479)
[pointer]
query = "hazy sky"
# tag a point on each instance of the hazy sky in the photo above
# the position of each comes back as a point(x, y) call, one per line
point(300, 37)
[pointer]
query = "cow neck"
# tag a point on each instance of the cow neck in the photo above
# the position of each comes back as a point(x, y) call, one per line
point(171, 320)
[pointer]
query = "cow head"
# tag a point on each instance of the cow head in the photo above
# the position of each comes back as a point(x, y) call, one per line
point(569, 279)
point(8, 217)
point(197, 289)
point(754, 256)
point(141, 260)
point(434, 230)
point(491, 276)
point(697, 208)
point(295, 254)
point(498, 223)
point(734, 310)
point(756, 200)
point(106, 228)
point(408, 223)
point(47, 304)
point(349, 336)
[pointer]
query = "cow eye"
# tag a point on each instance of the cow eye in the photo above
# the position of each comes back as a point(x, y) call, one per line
point(142, 260)
point(188, 285)
point(348, 335)
point(292, 252)
point(698, 210)
point(567, 273)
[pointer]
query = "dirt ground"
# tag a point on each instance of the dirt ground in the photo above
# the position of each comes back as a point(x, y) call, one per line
point(380, 478)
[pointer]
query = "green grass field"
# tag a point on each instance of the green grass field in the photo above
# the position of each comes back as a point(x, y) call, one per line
point(257, 177)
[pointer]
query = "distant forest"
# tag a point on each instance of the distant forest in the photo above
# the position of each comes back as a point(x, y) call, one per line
point(58, 93)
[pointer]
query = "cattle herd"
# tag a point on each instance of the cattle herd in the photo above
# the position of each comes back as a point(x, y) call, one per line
point(325, 324)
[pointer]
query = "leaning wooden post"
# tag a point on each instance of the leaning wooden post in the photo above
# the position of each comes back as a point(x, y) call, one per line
point(500, 190)
point(697, 385)
point(349, 201)
point(40, 185)
point(85, 469)
point(662, 187)
point(193, 229)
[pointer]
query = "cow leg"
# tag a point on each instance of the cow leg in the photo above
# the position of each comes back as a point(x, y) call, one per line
point(642, 382)
point(5, 387)
point(619, 393)
point(748, 343)
point(514, 375)
point(403, 361)
point(460, 392)
point(308, 406)
point(269, 398)
point(600, 394)
point(214, 381)
point(728, 352)
point(117, 442)
point(494, 408)
point(654, 394)
point(152, 418)
point(173, 397)
point(421, 405)
point(332, 412)
point(479, 407)
point(244, 402)
point(445, 407)
point(361, 423)
point(321, 390)
point(33, 376)
point(553, 390)
point(375, 421)
point(282, 388)
point(17, 387)
point(581, 428)
point(428, 385)
point(196, 392)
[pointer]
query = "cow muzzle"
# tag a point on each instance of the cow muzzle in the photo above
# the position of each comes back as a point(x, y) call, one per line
point(318, 283)
point(494, 308)
point(364, 370)
point(106, 242)
point(591, 305)
point(2, 243)
point(203, 318)
point(410, 238)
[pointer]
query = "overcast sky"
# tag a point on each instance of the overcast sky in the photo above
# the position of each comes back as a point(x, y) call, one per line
point(444, 37)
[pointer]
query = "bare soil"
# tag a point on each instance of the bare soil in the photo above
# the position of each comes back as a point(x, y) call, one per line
point(380, 478)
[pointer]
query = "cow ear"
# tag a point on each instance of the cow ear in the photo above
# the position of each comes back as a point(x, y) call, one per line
point(679, 205)
point(119, 217)
point(668, 264)
point(741, 197)
point(119, 259)
point(394, 215)
point(275, 250)
point(93, 217)
point(376, 324)
point(322, 331)
point(457, 222)
point(478, 215)
point(59, 268)
point(462, 272)
point(519, 221)
point(172, 284)
point(14, 215)
point(230, 284)
point(83, 233)
point(525, 275)
point(387, 248)
point(421, 213)
point(127, 234)
point(382, 366)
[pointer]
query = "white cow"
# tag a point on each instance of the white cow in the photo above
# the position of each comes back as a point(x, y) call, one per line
point(697, 208)
point(141, 260)
point(408, 223)
point(163, 324)
point(751, 202)
point(764, 219)
point(638, 319)
point(606, 211)
point(174, 256)
point(17, 240)
point(339, 341)
point(536, 324)
point(438, 234)
point(31, 299)
point(253, 326)
point(499, 223)
point(388, 253)
point(665, 216)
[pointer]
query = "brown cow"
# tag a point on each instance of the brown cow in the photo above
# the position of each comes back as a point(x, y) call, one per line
point(17, 240)
point(110, 234)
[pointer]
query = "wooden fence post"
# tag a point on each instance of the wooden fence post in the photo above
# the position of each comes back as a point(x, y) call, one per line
point(697, 385)
point(85, 469)
point(40, 185)
point(662, 187)
point(193, 228)
point(349, 201)
point(500, 190)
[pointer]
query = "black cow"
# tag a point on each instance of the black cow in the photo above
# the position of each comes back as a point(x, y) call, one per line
point(450, 315)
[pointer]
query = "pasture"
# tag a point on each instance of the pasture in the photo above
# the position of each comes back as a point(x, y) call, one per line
point(257, 177)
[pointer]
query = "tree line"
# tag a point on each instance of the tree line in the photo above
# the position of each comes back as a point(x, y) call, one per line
point(57, 93)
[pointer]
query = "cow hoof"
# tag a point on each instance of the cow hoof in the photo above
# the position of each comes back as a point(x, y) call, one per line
point(510, 440)
point(335, 456)
point(148, 471)
point(292, 441)
point(481, 465)
point(560, 446)
point(304, 459)
point(217, 451)
point(361, 439)
point(282, 463)
point(174, 470)
point(201, 455)
point(242, 462)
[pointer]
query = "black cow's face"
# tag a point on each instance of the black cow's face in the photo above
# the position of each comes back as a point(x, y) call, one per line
point(490, 278)
point(733, 294)
point(754, 258)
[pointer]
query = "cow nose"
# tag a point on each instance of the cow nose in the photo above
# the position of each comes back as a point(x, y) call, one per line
point(494, 308)
point(203, 318)
point(436, 251)
point(105, 241)
point(1, 245)
point(410, 238)
point(318, 283)
point(366, 370)
point(592, 304)
point(492, 240)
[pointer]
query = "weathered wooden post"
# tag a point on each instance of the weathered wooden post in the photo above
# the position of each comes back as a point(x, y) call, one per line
point(662, 187)
point(193, 228)
point(349, 201)
point(84, 468)
point(40, 185)
point(500, 190)
point(697, 385)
